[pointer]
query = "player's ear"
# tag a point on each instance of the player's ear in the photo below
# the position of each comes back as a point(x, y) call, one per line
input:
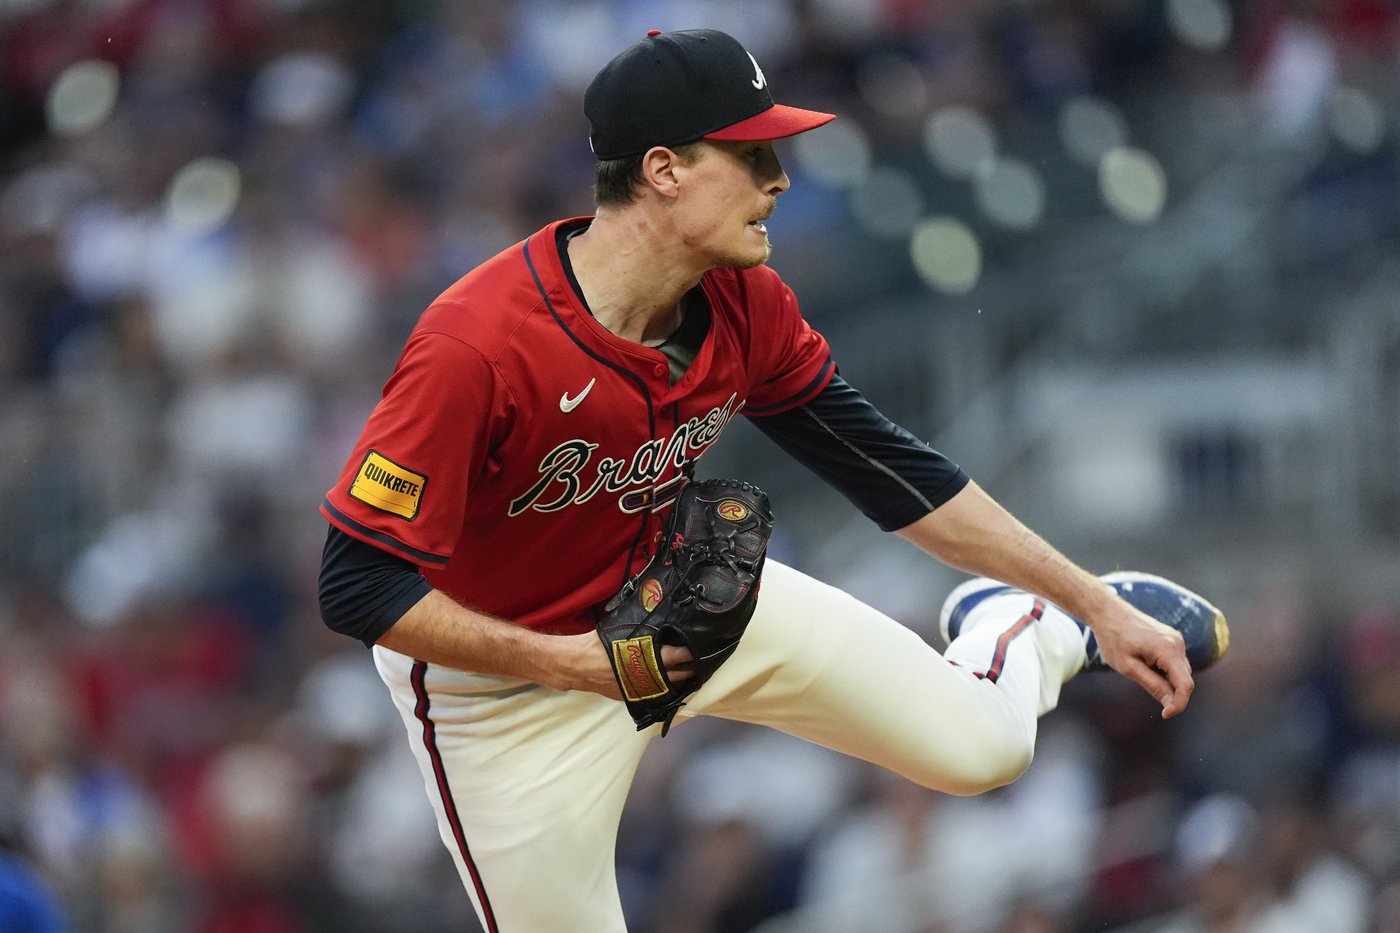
point(659, 170)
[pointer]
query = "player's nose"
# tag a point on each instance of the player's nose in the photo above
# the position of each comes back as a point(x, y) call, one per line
point(778, 182)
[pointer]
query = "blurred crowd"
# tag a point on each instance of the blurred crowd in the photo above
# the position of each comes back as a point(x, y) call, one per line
point(218, 220)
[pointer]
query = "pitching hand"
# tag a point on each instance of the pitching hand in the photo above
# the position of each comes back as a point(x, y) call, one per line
point(1147, 652)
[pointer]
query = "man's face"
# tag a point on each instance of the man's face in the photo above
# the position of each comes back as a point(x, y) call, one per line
point(730, 189)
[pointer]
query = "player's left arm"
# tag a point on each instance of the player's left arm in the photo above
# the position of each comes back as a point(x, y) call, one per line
point(905, 486)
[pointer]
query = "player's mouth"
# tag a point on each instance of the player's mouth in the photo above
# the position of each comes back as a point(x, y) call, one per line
point(757, 222)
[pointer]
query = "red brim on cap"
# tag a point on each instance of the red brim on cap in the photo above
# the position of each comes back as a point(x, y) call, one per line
point(776, 122)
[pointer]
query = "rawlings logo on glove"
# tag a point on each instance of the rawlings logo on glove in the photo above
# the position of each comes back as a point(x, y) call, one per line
point(698, 592)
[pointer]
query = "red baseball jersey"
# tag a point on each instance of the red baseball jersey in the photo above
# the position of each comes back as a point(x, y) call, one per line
point(521, 452)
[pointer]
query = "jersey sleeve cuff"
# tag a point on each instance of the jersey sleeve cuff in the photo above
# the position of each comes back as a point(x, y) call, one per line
point(910, 514)
point(379, 539)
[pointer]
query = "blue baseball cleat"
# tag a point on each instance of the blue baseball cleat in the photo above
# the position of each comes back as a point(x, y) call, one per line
point(1201, 625)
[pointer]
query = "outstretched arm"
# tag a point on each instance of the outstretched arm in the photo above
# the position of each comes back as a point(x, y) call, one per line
point(904, 485)
point(972, 532)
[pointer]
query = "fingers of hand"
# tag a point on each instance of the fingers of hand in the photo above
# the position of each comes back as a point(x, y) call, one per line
point(1171, 662)
point(1165, 674)
point(677, 661)
point(1178, 675)
point(1156, 685)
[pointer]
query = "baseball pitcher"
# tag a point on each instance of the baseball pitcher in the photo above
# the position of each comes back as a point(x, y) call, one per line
point(546, 589)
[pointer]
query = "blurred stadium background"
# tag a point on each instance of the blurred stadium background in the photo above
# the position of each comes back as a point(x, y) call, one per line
point(1133, 263)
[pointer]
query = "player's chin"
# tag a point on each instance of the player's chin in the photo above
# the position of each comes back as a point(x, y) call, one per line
point(748, 259)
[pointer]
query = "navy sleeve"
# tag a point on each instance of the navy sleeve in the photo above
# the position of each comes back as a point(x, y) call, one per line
point(886, 472)
point(363, 590)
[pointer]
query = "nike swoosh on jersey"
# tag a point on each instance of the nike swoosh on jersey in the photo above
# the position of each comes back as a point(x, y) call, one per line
point(569, 404)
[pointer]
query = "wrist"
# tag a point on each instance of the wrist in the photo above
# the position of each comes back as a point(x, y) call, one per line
point(565, 662)
point(1090, 601)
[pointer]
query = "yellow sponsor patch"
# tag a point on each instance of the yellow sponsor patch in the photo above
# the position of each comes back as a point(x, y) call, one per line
point(384, 485)
point(638, 669)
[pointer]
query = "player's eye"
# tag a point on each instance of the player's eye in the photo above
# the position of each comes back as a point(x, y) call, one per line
point(763, 162)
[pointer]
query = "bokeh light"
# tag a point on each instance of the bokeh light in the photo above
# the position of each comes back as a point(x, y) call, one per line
point(1133, 184)
point(892, 85)
point(202, 196)
point(82, 97)
point(946, 254)
point(301, 89)
point(1204, 24)
point(1356, 120)
point(959, 140)
point(1011, 193)
point(1089, 128)
point(837, 157)
point(887, 203)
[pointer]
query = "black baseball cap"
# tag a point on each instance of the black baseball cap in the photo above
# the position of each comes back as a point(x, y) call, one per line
point(677, 87)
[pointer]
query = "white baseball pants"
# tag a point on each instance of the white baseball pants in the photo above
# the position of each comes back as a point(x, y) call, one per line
point(529, 783)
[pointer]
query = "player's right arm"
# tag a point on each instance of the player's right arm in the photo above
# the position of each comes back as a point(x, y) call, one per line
point(440, 631)
point(378, 598)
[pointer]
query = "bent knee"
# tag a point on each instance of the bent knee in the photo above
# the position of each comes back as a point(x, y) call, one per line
point(996, 765)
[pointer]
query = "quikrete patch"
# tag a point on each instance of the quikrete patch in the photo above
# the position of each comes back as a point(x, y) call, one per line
point(383, 484)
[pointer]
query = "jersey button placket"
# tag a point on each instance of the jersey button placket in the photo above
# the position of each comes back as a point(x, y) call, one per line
point(659, 370)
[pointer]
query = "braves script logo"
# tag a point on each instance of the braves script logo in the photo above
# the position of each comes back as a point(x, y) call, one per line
point(569, 476)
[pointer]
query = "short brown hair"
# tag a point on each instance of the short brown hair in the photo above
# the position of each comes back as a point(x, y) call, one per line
point(616, 180)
